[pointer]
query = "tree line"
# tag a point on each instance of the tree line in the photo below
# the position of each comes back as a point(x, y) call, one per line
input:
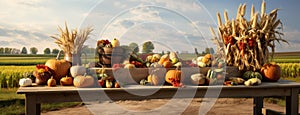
point(32, 50)
point(147, 47)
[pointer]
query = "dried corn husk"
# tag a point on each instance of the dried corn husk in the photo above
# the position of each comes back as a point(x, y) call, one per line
point(246, 43)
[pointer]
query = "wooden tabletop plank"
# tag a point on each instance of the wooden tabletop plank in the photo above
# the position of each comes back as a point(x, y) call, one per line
point(264, 85)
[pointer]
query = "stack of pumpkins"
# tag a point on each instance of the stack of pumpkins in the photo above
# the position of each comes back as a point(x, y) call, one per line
point(57, 71)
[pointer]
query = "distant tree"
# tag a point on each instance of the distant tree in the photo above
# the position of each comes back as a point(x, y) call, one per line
point(1, 50)
point(148, 47)
point(196, 52)
point(33, 50)
point(24, 50)
point(211, 50)
point(163, 52)
point(207, 51)
point(47, 51)
point(134, 47)
point(15, 51)
point(55, 51)
point(7, 50)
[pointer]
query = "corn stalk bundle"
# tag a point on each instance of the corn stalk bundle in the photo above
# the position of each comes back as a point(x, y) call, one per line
point(246, 43)
point(71, 42)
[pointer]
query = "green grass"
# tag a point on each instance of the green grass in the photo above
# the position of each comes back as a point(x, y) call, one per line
point(12, 103)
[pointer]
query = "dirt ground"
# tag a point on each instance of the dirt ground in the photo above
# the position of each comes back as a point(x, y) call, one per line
point(222, 106)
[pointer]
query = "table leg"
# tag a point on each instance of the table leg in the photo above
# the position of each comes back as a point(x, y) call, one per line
point(31, 107)
point(292, 102)
point(258, 105)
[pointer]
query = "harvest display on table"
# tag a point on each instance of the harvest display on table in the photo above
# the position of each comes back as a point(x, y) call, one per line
point(241, 44)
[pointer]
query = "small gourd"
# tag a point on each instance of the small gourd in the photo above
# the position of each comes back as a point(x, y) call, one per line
point(198, 79)
point(251, 74)
point(115, 43)
point(51, 82)
point(156, 77)
point(164, 58)
point(25, 82)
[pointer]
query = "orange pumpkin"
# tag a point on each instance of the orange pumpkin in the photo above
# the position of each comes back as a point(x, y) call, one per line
point(58, 68)
point(167, 64)
point(173, 77)
point(271, 72)
point(163, 59)
point(66, 81)
point(83, 81)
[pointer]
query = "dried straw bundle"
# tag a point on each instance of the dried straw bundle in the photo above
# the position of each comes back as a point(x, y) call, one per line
point(246, 43)
point(71, 42)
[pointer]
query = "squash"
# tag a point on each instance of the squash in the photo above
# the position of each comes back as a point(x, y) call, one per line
point(173, 77)
point(58, 68)
point(163, 59)
point(83, 81)
point(25, 82)
point(251, 74)
point(156, 77)
point(167, 64)
point(198, 79)
point(115, 43)
point(77, 70)
point(155, 58)
point(271, 72)
point(173, 55)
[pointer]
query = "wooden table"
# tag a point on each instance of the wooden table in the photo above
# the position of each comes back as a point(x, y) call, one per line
point(42, 94)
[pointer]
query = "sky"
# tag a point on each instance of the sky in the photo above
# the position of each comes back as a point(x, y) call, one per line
point(172, 25)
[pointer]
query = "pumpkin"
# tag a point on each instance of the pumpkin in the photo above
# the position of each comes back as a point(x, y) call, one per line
point(25, 82)
point(173, 77)
point(251, 74)
point(66, 81)
point(167, 64)
point(163, 59)
point(51, 82)
point(58, 68)
point(208, 56)
point(77, 70)
point(156, 77)
point(83, 81)
point(271, 72)
point(115, 43)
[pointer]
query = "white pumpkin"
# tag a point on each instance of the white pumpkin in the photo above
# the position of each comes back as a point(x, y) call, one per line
point(25, 82)
point(77, 70)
